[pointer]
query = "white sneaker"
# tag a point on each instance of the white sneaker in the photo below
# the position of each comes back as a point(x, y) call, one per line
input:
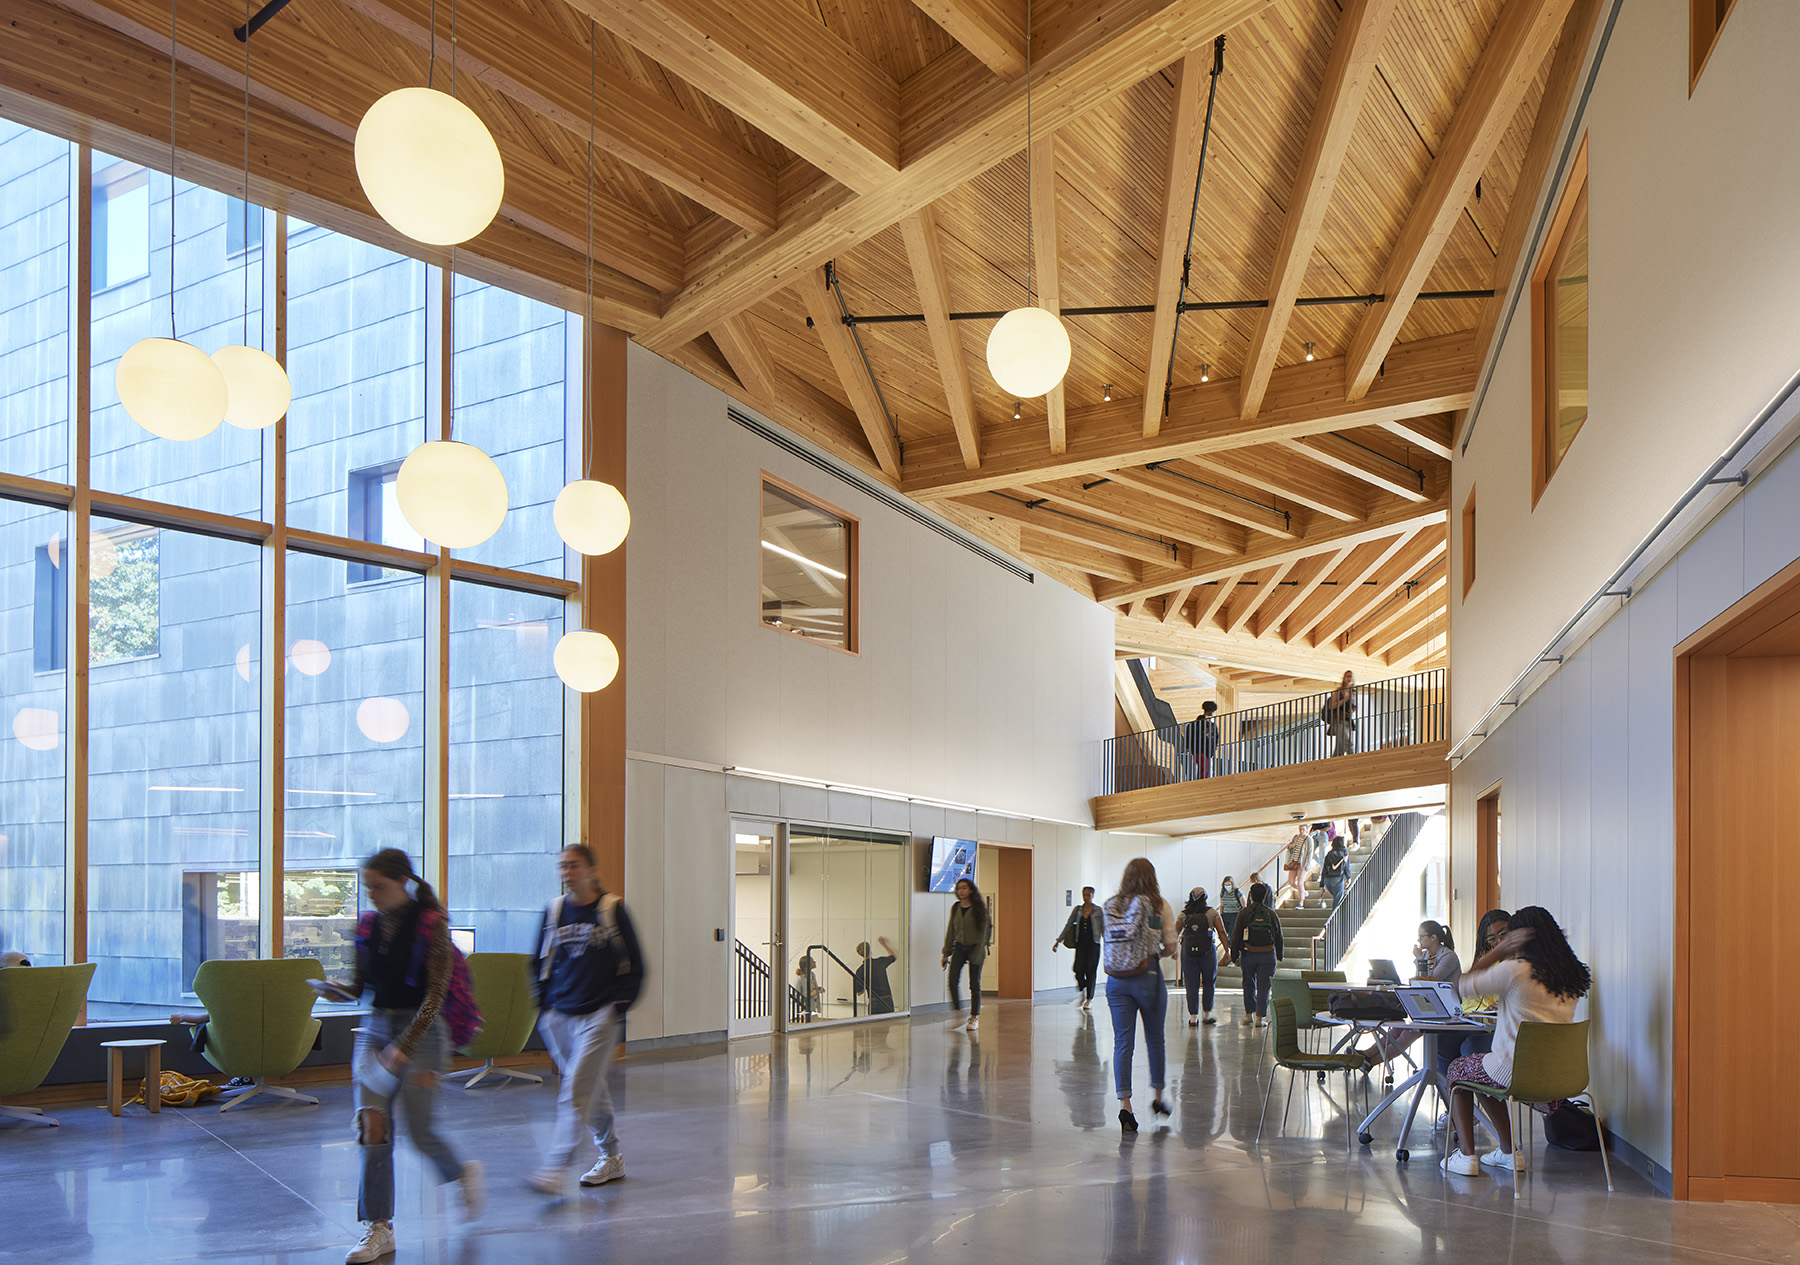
point(377, 1241)
point(1087, 1003)
point(959, 1020)
point(974, 1023)
point(1466, 1165)
point(608, 1168)
point(473, 1189)
point(1497, 1158)
point(1443, 1123)
point(547, 1181)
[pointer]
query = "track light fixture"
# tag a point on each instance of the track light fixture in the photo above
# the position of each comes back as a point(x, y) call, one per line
point(1309, 351)
point(1205, 372)
point(1107, 397)
point(1015, 410)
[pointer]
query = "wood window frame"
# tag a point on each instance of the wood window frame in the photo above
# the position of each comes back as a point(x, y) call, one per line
point(1543, 360)
point(1468, 543)
point(853, 616)
point(1705, 21)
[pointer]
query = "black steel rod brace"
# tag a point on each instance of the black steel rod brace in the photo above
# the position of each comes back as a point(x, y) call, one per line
point(258, 20)
point(1144, 309)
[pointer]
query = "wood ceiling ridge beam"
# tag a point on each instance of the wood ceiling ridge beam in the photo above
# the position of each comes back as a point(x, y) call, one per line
point(992, 30)
point(1324, 536)
point(69, 75)
point(1083, 531)
point(1362, 29)
point(1374, 468)
point(1346, 587)
point(1516, 49)
point(777, 68)
point(1411, 562)
point(1287, 474)
point(1045, 244)
point(853, 373)
point(925, 252)
point(1433, 434)
point(1119, 506)
point(960, 121)
point(1546, 131)
point(1188, 493)
point(1186, 128)
point(1427, 376)
point(518, 59)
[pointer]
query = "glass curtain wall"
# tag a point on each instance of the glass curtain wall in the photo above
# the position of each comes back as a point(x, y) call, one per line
point(194, 797)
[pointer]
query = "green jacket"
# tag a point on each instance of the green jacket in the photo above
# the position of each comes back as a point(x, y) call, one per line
point(965, 930)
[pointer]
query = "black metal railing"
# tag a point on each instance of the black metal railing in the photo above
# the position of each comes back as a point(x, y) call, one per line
point(1402, 711)
point(1364, 890)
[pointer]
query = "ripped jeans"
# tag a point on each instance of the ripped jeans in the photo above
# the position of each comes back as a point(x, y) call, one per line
point(418, 1095)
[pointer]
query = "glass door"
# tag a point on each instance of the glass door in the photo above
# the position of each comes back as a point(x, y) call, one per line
point(847, 919)
point(754, 983)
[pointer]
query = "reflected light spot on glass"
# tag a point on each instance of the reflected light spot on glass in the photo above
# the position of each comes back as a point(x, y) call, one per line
point(309, 657)
point(383, 719)
point(103, 556)
point(243, 662)
point(37, 728)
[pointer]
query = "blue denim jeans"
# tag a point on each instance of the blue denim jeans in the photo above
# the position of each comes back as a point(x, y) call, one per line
point(1128, 998)
point(1259, 970)
point(375, 1193)
point(1199, 968)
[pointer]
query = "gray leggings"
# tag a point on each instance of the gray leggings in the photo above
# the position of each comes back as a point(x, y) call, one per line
point(375, 1193)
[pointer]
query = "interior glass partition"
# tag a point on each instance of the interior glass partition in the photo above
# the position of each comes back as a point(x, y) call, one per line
point(846, 949)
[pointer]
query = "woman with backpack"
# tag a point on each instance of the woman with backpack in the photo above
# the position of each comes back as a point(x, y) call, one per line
point(405, 958)
point(1256, 944)
point(1334, 870)
point(586, 972)
point(1199, 960)
point(1138, 930)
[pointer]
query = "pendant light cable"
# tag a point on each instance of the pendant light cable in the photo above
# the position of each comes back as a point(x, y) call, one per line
point(431, 52)
point(246, 204)
point(174, 28)
point(587, 293)
point(1030, 210)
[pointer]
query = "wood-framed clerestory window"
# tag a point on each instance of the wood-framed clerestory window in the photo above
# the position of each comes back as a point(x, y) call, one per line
point(1559, 330)
point(809, 567)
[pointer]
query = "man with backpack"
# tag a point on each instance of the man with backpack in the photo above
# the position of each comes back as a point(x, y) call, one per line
point(587, 971)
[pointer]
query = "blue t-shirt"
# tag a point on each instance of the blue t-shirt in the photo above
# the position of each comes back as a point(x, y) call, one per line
point(582, 973)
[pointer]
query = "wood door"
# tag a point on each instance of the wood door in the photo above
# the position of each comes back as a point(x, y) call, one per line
point(1013, 936)
point(1487, 852)
point(1742, 945)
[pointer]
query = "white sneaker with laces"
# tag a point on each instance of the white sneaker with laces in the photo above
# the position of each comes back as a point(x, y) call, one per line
point(547, 1181)
point(472, 1186)
point(974, 1023)
point(377, 1241)
point(1497, 1158)
point(608, 1168)
point(958, 1020)
point(1466, 1165)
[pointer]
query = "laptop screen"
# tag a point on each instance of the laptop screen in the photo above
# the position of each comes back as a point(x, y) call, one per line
point(1430, 1002)
point(1382, 970)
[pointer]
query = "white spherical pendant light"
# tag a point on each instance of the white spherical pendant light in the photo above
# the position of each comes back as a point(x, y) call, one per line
point(256, 385)
point(429, 166)
point(171, 388)
point(451, 493)
point(1028, 352)
point(586, 660)
point(591, 516)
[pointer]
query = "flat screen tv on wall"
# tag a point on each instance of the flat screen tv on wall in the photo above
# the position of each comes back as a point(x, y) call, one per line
point(951, 859)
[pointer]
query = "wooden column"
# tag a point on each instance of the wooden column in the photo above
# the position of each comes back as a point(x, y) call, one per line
point(603, 610)
point(272, 856)
point(440, 311)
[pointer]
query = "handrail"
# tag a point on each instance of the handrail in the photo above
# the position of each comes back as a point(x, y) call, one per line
point(840, 961)
point(1365, 889)
point(1396, 712)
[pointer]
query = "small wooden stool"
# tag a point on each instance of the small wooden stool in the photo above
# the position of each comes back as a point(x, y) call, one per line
point(115, 1072)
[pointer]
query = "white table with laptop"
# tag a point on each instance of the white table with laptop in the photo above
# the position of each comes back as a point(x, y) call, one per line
point(1432, 1007)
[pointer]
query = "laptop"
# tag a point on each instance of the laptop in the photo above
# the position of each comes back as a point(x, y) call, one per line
point(1436, 1002)
point(1381, 971)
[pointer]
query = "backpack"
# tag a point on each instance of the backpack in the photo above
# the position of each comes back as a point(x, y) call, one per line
point(1259, 930)
point(1130, 945)
point(1196, 931)
point(606, 931)
point(460, 1013)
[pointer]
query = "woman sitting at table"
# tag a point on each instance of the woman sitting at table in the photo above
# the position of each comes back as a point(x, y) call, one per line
point(1537, 977)
point(1435, 960)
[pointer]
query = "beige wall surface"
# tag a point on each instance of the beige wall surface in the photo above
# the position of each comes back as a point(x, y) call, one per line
point(1694, 265)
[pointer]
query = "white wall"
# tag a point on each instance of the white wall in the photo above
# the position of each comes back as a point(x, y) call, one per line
point(973, 686)
point(1587, 801)
point(1694, 265)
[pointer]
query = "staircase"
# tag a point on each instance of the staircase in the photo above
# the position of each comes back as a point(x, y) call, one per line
point(1299, 926)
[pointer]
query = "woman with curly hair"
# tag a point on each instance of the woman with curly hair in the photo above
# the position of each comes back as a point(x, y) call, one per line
point(1536, 976)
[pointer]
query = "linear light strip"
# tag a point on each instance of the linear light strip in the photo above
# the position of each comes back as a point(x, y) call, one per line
point(804, 561)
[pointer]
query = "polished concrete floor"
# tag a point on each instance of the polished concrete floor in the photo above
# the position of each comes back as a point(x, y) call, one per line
point(898, 1142)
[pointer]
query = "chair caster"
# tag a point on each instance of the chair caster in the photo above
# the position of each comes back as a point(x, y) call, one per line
point(1365, 1138)
point(1402, 1155)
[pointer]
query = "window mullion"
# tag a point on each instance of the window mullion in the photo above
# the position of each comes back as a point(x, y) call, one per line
point(75, 769)
point(272, 854)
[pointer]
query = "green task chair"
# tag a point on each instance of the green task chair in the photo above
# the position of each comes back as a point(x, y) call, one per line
point(38, 1007)
point(259, 1020)
point(1550, 1063)
point(1298, 1062)
point(502, 986)
point(1299, 994)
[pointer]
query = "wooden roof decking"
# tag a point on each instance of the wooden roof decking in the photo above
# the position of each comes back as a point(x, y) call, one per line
point(741, 145)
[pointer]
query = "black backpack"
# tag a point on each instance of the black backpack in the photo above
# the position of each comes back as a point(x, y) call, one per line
point(1259, 931)
point(1197, 929)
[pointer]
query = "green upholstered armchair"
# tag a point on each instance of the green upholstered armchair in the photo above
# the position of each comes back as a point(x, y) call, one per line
point(502, 985)
point(259, 1020)
point(38, 1007)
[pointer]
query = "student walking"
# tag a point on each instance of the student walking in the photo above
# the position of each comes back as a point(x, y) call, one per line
point(1294, 867)
point(1203, 738)
point(1139, 930)
point(1334, 870)
point(967, 935)
point(1082, 934)
point(1339, 715)
point(1256, 944)
point(405, 959)
point(1199, 960)
point(587, 971)
point(1230, 902)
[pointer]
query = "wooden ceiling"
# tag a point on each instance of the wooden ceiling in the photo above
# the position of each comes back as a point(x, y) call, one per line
point(1283, 515)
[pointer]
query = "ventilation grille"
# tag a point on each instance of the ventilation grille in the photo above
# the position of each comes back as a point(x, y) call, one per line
point(893, 500)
